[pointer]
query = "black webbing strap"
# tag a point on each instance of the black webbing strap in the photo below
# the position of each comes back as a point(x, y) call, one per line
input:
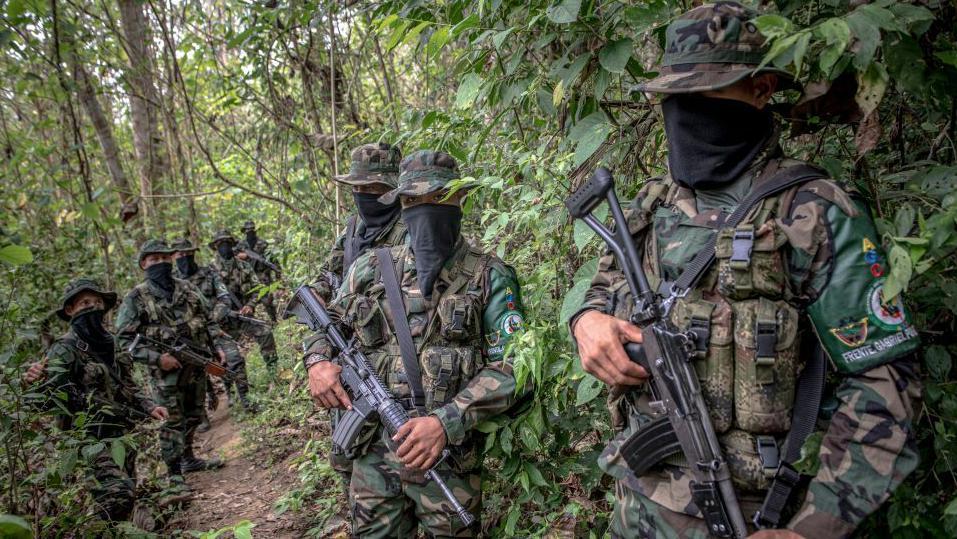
point(780, 181)
point(410, 359)
point(348, 248)
point(807, 403)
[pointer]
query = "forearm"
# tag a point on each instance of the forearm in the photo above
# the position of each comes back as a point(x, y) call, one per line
point(490, 393)
point(142, 353)
point(866, 453)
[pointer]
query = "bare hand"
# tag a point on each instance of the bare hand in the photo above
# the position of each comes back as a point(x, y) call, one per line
point(168, 362)
point(246, 310)
point(37, 371)
point(775, 534)
point(324, 386)
point(160, 412)
point(423, 439)
point(242, 255)
point(600, 338)
point(222, 355)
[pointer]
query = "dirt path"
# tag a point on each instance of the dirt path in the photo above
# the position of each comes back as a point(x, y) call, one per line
point(240, 490)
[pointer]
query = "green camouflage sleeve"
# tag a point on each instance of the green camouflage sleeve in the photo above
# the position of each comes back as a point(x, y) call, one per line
point(492, 391)
point(215, 331)
point(837, 265)
point(250, 281)
point(128, 325)
point(60, 365)
point(221, 302)
point(133, 394)
point(323, 283)
point(359, 277)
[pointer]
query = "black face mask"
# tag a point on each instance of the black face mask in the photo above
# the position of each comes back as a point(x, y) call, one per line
point(225, 250)
point(186, 265)
point(375, 215)
point(251, 238)
point(161, 275)
point(88, 326)
point(434, 229)
point(712, 141)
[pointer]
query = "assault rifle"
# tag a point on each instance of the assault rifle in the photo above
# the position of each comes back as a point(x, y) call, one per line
point(256, 257)
point(682, 422)
point(250, 319)
point(370, 396)
point(188, 353)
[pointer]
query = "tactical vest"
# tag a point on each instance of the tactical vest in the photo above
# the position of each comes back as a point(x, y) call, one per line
point(394, 236)
point(184, 318)
point(203, 279)
point(748, 326)
point(446, 331)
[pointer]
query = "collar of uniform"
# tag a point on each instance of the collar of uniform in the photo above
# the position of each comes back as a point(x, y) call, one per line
point(386, 230)
point(158, 294)
point(450, 268)
point(686, 201)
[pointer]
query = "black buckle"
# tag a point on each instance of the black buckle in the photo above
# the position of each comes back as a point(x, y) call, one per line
point(768, 452)
point(767, 341)
point(700, 328)
point(741, 244)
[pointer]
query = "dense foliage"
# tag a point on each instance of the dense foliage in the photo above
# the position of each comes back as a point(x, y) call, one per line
point(122, 120)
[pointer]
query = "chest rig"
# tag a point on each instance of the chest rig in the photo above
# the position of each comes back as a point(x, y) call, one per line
point(181, 316)
point(743, 314)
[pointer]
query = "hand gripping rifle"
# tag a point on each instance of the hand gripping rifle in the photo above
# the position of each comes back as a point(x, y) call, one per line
point(187, 353)
point(369, 395)
point(666, 353)
point(256, 257)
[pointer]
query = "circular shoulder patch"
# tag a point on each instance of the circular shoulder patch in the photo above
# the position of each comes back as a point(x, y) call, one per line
point(887, 314)
point(511, 322)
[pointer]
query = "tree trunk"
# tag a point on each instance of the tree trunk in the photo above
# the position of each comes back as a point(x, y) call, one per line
point(144, 107)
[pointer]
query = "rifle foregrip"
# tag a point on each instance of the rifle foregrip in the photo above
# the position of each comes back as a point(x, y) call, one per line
point(593, 193)
point(636, 353)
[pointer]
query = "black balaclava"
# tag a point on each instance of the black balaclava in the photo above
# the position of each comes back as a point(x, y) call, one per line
point(712, 141)
point(251, 238)
point(434, 229)
point(225, 250)
point(161, 275)
point(376, 217)
point(88, 326)
point(187, 265)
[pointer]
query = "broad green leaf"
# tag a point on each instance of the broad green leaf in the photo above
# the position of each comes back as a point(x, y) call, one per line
point(800, 49)
point(499, 38)
point(15, 255)
point(901, 271)
point(90, 451)
point(588, 388)
point(558, 93)
point(566, 11)
point(14, 527)
point(413, 34)
point(534, 474)
point(773, 26)
point(588, 135)
point(951, 508)
point(438, 40)
point(948, 57)
point(837, 35)
point(868, 39)
point(614, 55)
point(938, 362)
point(468, 90)
point(871, 85)
point(880, 17)
point(243, 530)
point(118, 452)
point(904, 219)
point(465, 24)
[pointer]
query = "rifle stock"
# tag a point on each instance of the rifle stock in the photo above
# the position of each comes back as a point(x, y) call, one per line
point(681, 421)
point(370, 396)
point(187, 352)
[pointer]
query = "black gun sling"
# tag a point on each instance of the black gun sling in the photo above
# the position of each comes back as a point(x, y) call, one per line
point(410, 358)
point(348, 247)
point(657, 441)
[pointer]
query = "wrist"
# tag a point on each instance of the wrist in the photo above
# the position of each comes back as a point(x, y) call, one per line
point(313, 359)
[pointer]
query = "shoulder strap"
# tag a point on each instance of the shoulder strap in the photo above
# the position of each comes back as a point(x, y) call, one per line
point(410, 359)
point(780, 181)
point(348, 254)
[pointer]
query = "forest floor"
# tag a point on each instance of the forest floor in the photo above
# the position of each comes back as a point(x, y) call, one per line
point(243, 489)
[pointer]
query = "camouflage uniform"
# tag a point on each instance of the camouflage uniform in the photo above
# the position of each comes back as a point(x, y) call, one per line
point(264, 273)
point(371, 164)
point(815, 268)
point(240, 280)
point(73, 369)
point(207, 280)
point(182, 391)
point(466, 377)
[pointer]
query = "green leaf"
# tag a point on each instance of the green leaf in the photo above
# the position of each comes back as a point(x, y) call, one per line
point(566, 11)
point(499, 38)
point(558, 93)
point(871, 85)
point(118, 452)
point(938, 362)
point(92, 450)
point(951, 508)
point(588, 388)
point(901, 271)
point(773, 26)
point(576, 296)
point(15, 255)
point(868, 39)
point(467, 23)
point(438, 40)
point(614, 56)
point(243, 530)
point(588, 134)
point(468, 90)
point(14, 527)
point(535, 475)
point(948, 57)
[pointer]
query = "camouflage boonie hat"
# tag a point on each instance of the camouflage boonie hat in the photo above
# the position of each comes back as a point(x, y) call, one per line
point(81, 284)
point(184, 245)
point(154, 246)
point(248, 225)
point(220, 236)
point(373, 163)
point(423, 172)
point(711, 47)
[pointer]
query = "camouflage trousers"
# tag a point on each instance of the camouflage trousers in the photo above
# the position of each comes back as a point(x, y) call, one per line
point(338, 461)
point(259, 333)
point(113, 487)
point(184, 396)
point(236, 363)
point(636, 516)
point(388, 501)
